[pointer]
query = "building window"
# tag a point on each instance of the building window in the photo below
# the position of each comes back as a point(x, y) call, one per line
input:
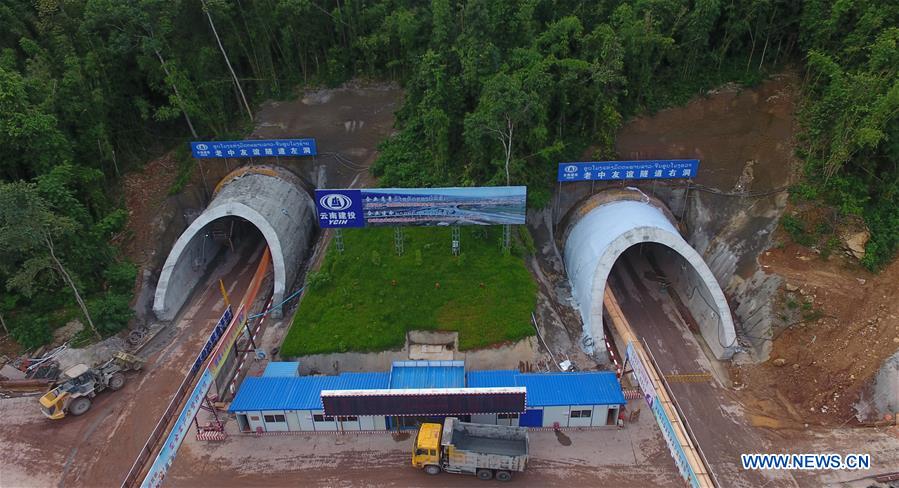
point(348, 419)
point(274, 418)
point(322, 418)
point(509, 416)
point(581, 414)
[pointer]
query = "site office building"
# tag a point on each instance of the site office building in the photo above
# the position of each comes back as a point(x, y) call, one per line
point(418, 391)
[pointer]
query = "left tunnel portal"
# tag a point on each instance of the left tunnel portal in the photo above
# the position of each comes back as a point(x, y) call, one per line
point(272, 200)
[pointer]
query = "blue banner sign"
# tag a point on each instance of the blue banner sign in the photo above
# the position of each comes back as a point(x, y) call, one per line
point(497, 205)
point(166, 455)
point(254, 148)
point(213, 339)
point(652, 169)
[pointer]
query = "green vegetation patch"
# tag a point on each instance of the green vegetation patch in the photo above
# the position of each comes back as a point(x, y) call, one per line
point(366, 298)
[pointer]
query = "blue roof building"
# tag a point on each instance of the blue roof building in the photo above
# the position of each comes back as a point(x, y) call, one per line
point(281, 401)
point(552, 389)
point(299, 393)
point(427, 374)
point(282, 369)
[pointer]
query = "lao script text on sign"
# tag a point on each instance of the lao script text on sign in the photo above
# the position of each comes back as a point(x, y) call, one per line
point(654, 169)
point(288, 148)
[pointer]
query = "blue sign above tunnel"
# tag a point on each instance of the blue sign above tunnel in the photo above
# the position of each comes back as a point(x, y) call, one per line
point(262, 148)
point(650, 169)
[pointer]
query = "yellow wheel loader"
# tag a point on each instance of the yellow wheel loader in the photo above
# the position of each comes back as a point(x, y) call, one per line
point(80, 383)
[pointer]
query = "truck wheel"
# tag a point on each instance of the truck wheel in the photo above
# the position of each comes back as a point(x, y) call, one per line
point(116, 381)
point(432, 469)
point(485, 474)
point(80, 405)
point(503, 476)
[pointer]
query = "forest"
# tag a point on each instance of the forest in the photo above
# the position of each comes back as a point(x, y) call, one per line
point(496, 92)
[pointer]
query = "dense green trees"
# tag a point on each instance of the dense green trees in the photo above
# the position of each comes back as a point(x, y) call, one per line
point(851, 114)
point(496, 91)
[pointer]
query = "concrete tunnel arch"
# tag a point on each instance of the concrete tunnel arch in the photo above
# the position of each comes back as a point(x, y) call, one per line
point(270, 198)
point(602, 229)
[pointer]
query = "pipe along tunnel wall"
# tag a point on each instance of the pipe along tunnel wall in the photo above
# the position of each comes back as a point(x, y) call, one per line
point(271, 199)
point(600, 230)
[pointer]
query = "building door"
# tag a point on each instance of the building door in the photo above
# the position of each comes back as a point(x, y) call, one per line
point(531, 418)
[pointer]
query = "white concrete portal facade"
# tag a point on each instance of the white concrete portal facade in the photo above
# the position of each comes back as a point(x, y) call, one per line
point(597, 239)
point(271, 199)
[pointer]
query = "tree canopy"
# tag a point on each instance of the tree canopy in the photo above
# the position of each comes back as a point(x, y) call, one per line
point(496, 91)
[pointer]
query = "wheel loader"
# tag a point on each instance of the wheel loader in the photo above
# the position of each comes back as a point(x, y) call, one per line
point(80, 383)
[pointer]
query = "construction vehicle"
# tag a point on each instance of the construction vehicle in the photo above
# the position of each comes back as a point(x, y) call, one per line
point(484, 450)
point(80, 383)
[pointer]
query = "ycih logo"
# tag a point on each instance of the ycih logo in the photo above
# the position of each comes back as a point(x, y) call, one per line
point(336, 202)
point(202, 147)
point(571, 168)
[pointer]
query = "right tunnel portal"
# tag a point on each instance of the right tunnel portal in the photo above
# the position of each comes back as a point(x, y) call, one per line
point(633, 243)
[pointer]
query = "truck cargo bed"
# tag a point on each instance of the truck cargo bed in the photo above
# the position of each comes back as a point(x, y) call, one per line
point(507, 447)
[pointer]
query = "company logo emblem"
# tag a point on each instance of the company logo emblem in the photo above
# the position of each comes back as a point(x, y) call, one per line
point(335, 202)
point(571, 168)
point(202, 147)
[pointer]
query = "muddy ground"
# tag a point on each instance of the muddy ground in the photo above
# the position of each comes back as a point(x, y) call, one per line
point(635, 456)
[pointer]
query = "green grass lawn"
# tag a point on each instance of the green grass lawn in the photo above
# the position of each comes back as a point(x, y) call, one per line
point(368, 297)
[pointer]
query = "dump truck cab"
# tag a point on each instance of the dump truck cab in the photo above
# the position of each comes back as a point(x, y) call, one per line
point(426, 451)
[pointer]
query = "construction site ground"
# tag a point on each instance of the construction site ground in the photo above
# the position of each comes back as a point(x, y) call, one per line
point(97, 448)
point(635, 456)
point(830, 358)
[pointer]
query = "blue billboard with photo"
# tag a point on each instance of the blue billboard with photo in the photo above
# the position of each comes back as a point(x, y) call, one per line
point(497, 205)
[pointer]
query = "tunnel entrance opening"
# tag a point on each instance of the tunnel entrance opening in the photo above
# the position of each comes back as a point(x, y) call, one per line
point(661, 289)
point(601, 234)
point(220, 245)
point(267, 200)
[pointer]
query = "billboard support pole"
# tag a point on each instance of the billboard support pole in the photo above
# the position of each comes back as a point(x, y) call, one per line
point(457, 240)
point(338, 239)
point(558, 205)
point(398, 236)
point(507, 237)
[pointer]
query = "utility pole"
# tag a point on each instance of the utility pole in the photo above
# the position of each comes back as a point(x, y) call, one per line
point(68, 279)
point(227, 61)
point(168, 75)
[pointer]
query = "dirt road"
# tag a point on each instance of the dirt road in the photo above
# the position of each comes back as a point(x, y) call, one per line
point(97, 448)
point(722, 424)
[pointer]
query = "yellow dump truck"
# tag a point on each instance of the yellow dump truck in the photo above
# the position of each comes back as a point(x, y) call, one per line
point(80, 383)
point(484, 450)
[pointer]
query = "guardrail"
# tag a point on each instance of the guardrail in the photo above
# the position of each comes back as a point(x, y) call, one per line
point(689, 460)
point(208, 360)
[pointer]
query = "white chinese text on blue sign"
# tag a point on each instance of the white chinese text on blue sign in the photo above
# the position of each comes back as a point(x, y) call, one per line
point(263, 148)
point(652, 169)
point(495, 205)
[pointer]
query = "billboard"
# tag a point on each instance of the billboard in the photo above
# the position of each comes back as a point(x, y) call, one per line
point(650, 169)
point(261, 148)
point(493, 205)
point(424, 402)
